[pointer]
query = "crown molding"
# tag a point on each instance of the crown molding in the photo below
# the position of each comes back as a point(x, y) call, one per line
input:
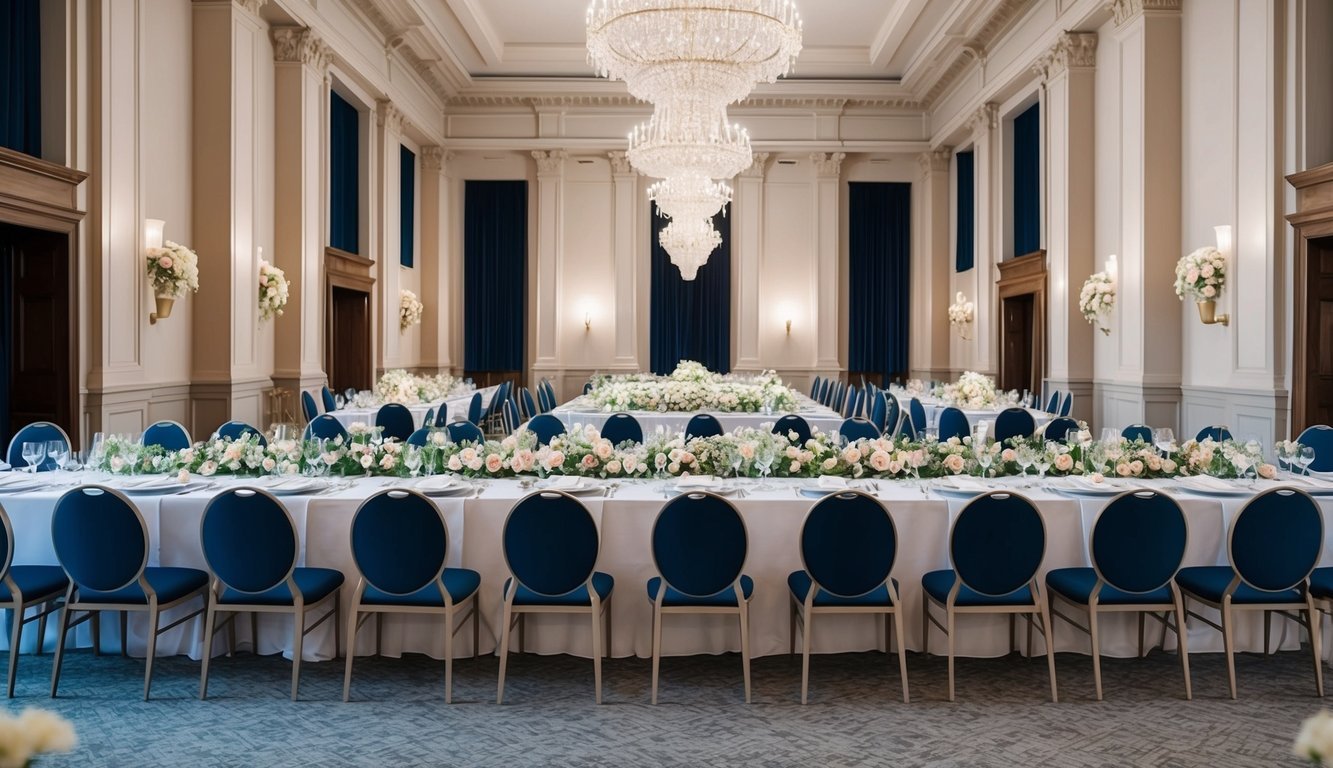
point(1125, 11)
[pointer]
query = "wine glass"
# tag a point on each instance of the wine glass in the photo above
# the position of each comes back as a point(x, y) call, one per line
point(932, 434)
point(412, 458)
point(1042, 461)
point(1025, 458)
point(764, 454)
point(1164, 439)
point(96, 449)
point(58, 451)
point(1305, 458)
point(310, 450)
point(33, 453)
point(1109, 435)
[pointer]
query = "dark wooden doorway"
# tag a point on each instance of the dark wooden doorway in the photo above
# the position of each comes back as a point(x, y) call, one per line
point(1016, 357)
point(1312, 289)
point(1021, 290)
point(348, 321)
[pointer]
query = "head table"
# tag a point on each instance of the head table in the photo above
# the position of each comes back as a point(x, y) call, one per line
point(625, 516)
point(581, 411)
point(457, 406)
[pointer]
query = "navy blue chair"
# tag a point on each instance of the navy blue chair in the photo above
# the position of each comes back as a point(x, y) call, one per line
point(395, 420)
point(1136, 546)
point(1053, 404)
point(546, 396)
point(1057, 429)
point(1320, 438)
point(703, 425)
point(529, 403)
point(1067, 404)
point(474, 409)
point(953, 423)
point(23, 587)
point(546, 427)
point(587, 387)
point(441, 416)
point(699, 547)
point(996, 546)
point(814, 388)
point(848, 546)
point(249, 542)
point(550, 547)
point(308, 406)
point(399, 545)
point(171, 435)
point(421, 437)
point(894, 416)
point(1137, 432)
point(101, 541)
point(511, 419)
point(792, 423)
point(465, 432)
point(1014, 422)
point(324, 427)
point(917, 419)
point(621, 427)
point(857, 428)
point(235, 430)
point(325, 395)
point(36, 432)
point(1216, 433)
point(429, 418)
point(824, 387)
point(879, 410)
point(1273, 546)
point(851, 403)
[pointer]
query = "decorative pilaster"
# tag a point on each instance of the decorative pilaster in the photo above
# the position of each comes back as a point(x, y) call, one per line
point(395, 349)
point(747, 212)
point(628, 215)
point(438, 325)
point(827, 223)
point(932, 268)
point(550, 218)
point(982, 351)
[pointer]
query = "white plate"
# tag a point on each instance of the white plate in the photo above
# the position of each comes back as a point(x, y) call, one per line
point(165, 489)
point(289, 486)
point(1218, 492)
point(22, 486)
point(442, 486)
point(1082, 488)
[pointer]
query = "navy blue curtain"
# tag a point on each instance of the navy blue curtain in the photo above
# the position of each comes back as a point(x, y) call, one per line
point(6, 338)
point(966, 247)
point(21, 76)
point(495, 269)
point(344, 165)
point(407, 203)
point(691, 319)
point(1027, 181)
point(879, 252)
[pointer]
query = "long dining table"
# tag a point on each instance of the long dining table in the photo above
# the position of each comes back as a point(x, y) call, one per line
point(625, 511)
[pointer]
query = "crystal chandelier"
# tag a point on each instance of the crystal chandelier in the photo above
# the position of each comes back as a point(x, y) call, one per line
point(689, 197)
point(690, 242)
point(678, 142)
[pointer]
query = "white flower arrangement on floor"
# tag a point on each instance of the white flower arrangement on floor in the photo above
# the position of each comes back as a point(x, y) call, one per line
point(273, 288)
point(692, 387)
point(1201, 274)
point(173, 269)
point(33, 733)
point(1097, 299)
point(1315, 742)
point(961, 314)
point(409, 309)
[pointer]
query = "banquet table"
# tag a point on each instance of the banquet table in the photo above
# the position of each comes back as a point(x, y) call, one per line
point(934, 408)
point(458, 406)
point(582, 411)
point(625, 515)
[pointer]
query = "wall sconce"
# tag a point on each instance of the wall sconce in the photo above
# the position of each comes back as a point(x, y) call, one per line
point(788, 326)
point(1208, 309)
point(587, 322)
point(153, 230)
point(1111, 267)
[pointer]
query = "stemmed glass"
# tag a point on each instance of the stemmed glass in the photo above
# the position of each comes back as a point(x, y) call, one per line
point(1286, 455)
point(58, 451)
point(1042, 461)
point(412, 458)
point(1164, 439)
point(981, 448)
point(736, 458)
point(33, 453)
point(1025, 458)
point(311, 450)
point(1305, 458)
point(764, 454)
point(1109, 435)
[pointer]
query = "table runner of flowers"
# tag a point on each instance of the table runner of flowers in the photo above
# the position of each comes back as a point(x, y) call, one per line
point(974, 392)
point(400, 386)
point(692, 387)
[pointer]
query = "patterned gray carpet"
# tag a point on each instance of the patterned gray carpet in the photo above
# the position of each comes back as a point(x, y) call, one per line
point(855, 717)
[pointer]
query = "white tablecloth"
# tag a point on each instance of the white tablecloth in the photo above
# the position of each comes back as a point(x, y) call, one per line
point(580, 411)
point(457, 409)
point(773, 519)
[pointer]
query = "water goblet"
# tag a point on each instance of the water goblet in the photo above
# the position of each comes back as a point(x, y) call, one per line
point(412, 458)
point(1164, 440)
point(96, 449)
point(1305, 459)
point(764, 454)
point(1109, 435)
point(310, 451)
point(33, 453)
point(59, 452)
point(1042, 461)
point(1025, 458)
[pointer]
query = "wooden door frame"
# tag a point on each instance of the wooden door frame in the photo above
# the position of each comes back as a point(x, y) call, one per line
point(1312, 220)
point(343, 269)
point(1018, 277)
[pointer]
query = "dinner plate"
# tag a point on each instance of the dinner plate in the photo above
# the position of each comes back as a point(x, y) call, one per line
point(1218, 491)
point(289, 486)
point(441, 486)
point(1084, 489)
point(955, 489)
point(582, 488)
point(171, 486)
point(21, 486)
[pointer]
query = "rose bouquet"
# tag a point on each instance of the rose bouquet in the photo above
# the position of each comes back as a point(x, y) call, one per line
point(409, 309)
point(273, 288)
point(1097, 299)
point(1201, 274)
point(173, 270)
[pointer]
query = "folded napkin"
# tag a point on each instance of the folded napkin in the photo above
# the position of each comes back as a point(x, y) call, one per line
point(1207, 483)
point(566, 481)
point(966, 484)
point(696, 481)
point(1084, 481)
point(437, 483)
point(831, 482)
point(4, 466)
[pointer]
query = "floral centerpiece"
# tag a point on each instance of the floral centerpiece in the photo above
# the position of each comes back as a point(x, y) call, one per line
point(1201, 275)
point(1097, 299)
point(273, 288)
point(409, 309)
point(973, 391)
point(173, 270)
point(961, 313)
point(34, 732)
point(399, 386)
point(692, 387)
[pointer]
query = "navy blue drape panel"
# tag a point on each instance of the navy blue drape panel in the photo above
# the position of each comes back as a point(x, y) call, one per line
point(1027, 181)
point(407, 202)
point(879, 251)
point(495, 269)
point(21, 76)
point(691, 320)
point(966, 247)
point(6, 340)
point(344, 185)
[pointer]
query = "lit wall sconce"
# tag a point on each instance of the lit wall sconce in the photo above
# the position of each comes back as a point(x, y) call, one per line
point(1208, 309)
point(1111, 267)
point(587, 322)
point(153, 230)
point(789, 326)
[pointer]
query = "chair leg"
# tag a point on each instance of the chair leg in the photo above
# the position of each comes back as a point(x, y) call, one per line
point(476, 628)
point(351, 652)
point(1097, 652)
point(1141, 640)
point(231, 635)
point(254, 632)
point(1162, 641)
point(657, 648)
point(504, 650)
point(902, 653)
point(1181, 644)
point(805, 656)
point(1268, 622)
point(60, 643)
point(1229, 646)
point(1314, 618)
point(606, 608)
point(337, 626)
point(15, 637)
point(949, 633)
point(379, 631)
point(96, 621)
point(1013, 646)
point(925, 625)
point(124, 634)
point(41, 626)
point(791, 629)
point(1031, 621)
point(449, 657)
point(1048, 633)
point(745, 645)
point(210, 617)
point(597, 649)
point(152, 649)
point(298, 630)
point(522, 625)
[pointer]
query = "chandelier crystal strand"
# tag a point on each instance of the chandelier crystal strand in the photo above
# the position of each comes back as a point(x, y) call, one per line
point(690, 242)
point(670, 144)
point(689, 197)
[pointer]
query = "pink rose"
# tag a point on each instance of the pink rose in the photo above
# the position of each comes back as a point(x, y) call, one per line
point(555, 460)
point(164, 262)
point(954, 463)
point(1064, 462)
point(1209, 291)
point(494, 463)
point(1192, 275)
point(589, 461)
point(879, 461)
point(1267, 471)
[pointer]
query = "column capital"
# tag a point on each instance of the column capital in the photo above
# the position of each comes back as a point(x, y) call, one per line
point(620, 165)
point(986, 118)
point(389, 117)
point(550, 163)
point(936, 160)
point(435, 158)
point(758, 166)
point(828, 165)
point(300, 45)
point(1126, 11)
point(250, 6)
point(1073, 50)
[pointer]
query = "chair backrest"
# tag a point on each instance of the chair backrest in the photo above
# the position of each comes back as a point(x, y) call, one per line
point(474, 409)
point(879, 410)
point(99, 537)
point(1276, 539)
point(792, 423)
point(893, 414)
point(510, 415)
point(329, 403)
point(429, 418)
point(1138, 541)
point(587, 387)
point(249, 540)
point(420, 438)
point(399, 542)
point(325, 427)
point(699, 544)
point(1067, 404)
point(1014, 422)
point(621, 427)
point(235, 430)
point(1217, 433)
point(545, 396)
point(917, 412)
point(1137, 432)
point(850, 402)
point(822, 397)
point(954, 423)
point(857, 428)
point(1320, 438)
point(703, 425)
point(814, 388)
point(7, 545)
point(848, 544)
point(997, 543)
point(1058, 428)
point(546, 427)
point(308, 406)
point(171, 435)
point(465, 432)
point(441, 416)
point(550, 543)
point(396, 421)
point(501, 397)
point(1054, 402)
point(36, 432)
point(529, 403)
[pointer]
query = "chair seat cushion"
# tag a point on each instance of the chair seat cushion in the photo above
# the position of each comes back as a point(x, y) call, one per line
point(601, 582)
point(723, 598)
point(461, 584)
point(1321, 583)
point(315, 585)
point(1210, 582)
point(170, 584)
point(799, 582)
point(35, 581)
point(1077, 583)
point(938, 584)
